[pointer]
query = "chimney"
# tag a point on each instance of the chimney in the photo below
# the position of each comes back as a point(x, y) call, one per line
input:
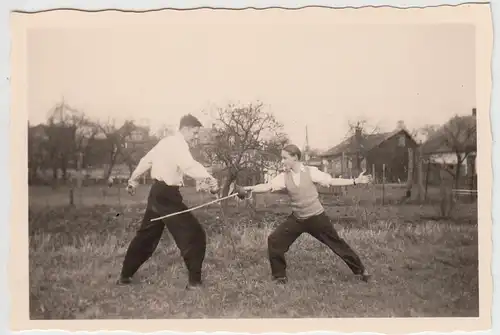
point(401, 124)
point(473, 111)
point(358, 135)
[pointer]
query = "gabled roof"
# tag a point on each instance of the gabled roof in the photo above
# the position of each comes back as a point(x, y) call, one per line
point(38, 130)
point(368, 142)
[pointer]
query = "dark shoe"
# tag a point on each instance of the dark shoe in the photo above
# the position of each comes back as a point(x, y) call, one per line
point(194, 286)
point(124, 281)
point(280, 280)
point(364, 277)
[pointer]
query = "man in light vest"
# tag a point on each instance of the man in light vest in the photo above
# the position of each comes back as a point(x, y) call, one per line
point(308, 214)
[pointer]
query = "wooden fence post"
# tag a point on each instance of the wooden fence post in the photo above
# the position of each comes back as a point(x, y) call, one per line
point(427, 178)
point(411, 164)
point(72, 196)
point(79, 176)
point(421, 194)
point(383, 184)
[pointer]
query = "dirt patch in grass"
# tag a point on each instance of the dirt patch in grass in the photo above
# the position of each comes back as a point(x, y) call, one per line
point(420, 268)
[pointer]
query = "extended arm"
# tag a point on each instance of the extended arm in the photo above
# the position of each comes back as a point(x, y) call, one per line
point(144, 165)
point(259, 188)
point(276, 184)
point(325, 179)
point(341, 182)
point(188, 165)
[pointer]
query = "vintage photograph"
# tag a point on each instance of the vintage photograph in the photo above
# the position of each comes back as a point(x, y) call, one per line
point(223, 164)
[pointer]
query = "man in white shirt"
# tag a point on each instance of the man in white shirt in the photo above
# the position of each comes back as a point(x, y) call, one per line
point(168, 161)
point(308, 214)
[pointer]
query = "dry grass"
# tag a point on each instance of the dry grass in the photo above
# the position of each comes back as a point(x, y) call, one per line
point(420, 268)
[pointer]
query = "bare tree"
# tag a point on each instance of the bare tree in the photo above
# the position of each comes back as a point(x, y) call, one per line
point(361, 126)
point(425, 132)
point(115, 141)
point(68, 131)
point(133, 149)
point(244, 139)
point(459, 134)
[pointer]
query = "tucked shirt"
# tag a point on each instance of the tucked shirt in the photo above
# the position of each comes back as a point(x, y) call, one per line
point(169, 160)
point(317, 176)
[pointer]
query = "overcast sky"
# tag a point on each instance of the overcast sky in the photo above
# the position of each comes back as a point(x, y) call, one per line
point(322, 75)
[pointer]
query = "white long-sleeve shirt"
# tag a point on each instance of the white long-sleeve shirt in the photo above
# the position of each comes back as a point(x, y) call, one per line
point(169, 160)
point(317, 176)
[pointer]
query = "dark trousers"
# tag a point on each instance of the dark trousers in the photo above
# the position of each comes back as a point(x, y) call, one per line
point(320, 227)
point(186, 231)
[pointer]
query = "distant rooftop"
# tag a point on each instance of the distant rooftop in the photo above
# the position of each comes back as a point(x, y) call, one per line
point(370, 141)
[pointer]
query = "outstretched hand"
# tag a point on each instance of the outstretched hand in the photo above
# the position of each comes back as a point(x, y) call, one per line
point(364, 179)
point(215, 190)
point(131, 187)
point(244, 192)
point(211, 185)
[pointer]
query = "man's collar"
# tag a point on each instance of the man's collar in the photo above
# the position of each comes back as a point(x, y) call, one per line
point(179, 135)
point(302, 168)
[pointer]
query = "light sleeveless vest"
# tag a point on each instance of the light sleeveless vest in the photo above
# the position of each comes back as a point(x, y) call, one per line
point(304, 198)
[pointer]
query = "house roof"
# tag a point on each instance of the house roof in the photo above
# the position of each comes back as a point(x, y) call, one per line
point(439, 142)
point(351, 145)
point(38, 130)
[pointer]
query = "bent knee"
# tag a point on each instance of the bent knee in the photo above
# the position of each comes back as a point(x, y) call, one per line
point(273, 243)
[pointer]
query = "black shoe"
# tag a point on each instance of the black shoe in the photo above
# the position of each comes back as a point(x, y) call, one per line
point(194, 286)
point(364, 277)
point(124, 281)
point(280, 280)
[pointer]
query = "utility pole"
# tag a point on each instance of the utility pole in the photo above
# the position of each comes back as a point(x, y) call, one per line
point(306, 147)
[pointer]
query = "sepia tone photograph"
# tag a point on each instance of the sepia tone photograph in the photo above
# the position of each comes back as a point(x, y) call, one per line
point(217, 164)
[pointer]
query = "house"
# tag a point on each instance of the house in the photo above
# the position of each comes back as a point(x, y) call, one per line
point(38, 152)
point(38, 132)
point(50, 150)
point(373, 153)
point(453, 142)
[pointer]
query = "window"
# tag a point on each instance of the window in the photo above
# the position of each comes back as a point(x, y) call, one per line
point(402, 140)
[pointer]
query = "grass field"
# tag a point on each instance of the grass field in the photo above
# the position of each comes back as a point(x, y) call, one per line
point(420, 267)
